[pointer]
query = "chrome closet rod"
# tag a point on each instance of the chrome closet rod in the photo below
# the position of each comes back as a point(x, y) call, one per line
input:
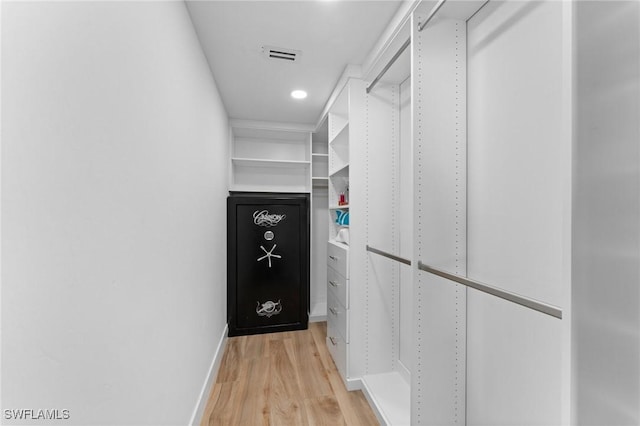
point(389, 255)
point(386, 68)
point(435, 10)
point(404, 46)
point(544, 308)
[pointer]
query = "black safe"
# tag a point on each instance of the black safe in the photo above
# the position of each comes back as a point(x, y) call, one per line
point(267, 262)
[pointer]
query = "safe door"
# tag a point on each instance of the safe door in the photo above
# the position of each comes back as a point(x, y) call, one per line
point(268, 263)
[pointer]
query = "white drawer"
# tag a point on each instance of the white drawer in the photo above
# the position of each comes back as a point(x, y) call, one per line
point(338, 350)
point(337, 318)
point(338, 258)
point(338, 286)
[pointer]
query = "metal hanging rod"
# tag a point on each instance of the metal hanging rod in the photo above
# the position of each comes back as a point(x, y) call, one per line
point(386, 68)
point(389, 255)
point(433, 13)
point(544, 308)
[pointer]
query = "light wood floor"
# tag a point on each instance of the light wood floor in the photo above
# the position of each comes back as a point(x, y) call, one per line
point(284, 378)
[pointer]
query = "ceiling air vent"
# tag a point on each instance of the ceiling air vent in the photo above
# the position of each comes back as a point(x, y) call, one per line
point(281, 54)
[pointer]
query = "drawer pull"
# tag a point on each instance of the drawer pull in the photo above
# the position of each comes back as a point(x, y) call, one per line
point(333, 341)
point(333, 258)
point(333, 311)
point(333, 283)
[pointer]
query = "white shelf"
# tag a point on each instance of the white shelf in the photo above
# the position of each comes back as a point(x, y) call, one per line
point(320, 181)
point(257, 162)
point(270, 189)
point(343, 207)
point(342, 134)
point(339, 244)
point(390, 396)
point(342, 171)
point(319, 155)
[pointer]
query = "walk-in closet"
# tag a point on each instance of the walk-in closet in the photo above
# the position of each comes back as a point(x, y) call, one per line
point(421, 212)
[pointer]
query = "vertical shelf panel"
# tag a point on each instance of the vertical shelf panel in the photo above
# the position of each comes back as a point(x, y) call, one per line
point(438, 84)
point(319, 220)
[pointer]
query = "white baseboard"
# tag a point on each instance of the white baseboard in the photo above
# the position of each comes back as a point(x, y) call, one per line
point(353, 384)
point(318, 312)
point(374, 405)
point(198, 411)
point(404, 371)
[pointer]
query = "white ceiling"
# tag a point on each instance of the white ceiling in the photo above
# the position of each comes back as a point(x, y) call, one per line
point(330, 34)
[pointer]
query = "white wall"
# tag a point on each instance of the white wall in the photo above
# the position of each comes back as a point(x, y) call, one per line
point(114, 170)
point(606, 226)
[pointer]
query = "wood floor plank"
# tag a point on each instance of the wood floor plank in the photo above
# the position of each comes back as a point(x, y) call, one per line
point(313, 375)
point(323, 410)
point(284, 398)
point(283, 379)
point(319, 332)
point(211, 402)
point(284, 373)
point(255, 404)
point(356, 410)
point(231, 360)
point(254, 346)
point(226, 410)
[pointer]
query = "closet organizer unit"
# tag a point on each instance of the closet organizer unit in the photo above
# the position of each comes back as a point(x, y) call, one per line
point(388, 286)
point(344, 197)
point(491, 93)
point(283, 158)
point(456, 282)
point(369, 281)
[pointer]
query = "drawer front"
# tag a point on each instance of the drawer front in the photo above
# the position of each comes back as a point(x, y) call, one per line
point(338, 258)
point(337, 318)
point(338, 286)
point(338, 350)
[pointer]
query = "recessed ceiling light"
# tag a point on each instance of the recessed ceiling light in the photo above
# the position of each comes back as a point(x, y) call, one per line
point(298, 94)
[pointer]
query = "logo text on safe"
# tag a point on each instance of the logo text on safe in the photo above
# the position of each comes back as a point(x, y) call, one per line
point(263, 218)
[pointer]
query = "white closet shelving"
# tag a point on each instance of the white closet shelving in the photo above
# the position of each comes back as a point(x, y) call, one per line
point(491, 94)
point(265, 158)
point(519, 179)
point(320, 156)
point(344, 269)
point(389, 204)
point(287, 158)
point(367, 153)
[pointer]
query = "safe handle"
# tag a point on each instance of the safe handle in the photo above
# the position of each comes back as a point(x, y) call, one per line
point(333, 311)
point(333, 283)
